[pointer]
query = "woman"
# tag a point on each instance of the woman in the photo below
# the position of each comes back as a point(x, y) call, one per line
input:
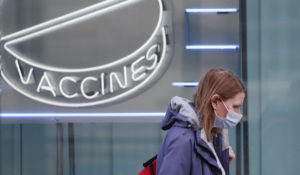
point(197, 140)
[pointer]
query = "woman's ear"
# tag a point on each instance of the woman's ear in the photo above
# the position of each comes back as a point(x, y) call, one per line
point(214, 99)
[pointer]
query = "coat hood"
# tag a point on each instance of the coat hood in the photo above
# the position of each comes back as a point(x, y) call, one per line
point(185, 137)
point(181, 112)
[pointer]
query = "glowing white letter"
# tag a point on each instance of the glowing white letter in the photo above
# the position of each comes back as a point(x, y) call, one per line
point(140, 70)
point(115, 75)
point(83, 85)
point(152, 57)
point(62, 90)
point(21, 75)
point(102, 84)
point(47, 87)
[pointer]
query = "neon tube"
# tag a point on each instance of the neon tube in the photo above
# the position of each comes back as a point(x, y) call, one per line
point(60, 19)
point(212, 10)
point(75, 21)
point(185, 84)
point(212, 47)
point(121, 96)
point(81, 115)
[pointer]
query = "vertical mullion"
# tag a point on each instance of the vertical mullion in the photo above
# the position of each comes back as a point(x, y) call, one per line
point(243, 44)
point(71, 148)
point(59, 149)
point(21, 150)
point(112, 148)
point(238, 149)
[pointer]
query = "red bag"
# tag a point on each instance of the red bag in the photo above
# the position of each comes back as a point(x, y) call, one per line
point(150, 167)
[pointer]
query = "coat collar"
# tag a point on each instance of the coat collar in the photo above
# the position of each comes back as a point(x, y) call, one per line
point(202, 148)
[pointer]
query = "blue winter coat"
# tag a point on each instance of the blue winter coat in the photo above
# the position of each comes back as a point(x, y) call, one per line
point(183, 151)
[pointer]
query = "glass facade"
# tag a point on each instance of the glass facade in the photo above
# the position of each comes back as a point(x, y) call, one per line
point(273, 80)
point(266, 33)
point(97, 148)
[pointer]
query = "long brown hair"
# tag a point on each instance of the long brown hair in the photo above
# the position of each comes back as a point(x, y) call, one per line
point(215, 81)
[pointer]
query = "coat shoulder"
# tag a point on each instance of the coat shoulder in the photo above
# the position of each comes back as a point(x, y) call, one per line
point(182, 135)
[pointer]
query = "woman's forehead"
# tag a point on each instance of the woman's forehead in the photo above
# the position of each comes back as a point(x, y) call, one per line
point(238, 99)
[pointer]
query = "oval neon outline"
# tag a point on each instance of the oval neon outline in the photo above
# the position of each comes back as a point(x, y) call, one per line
point(109, 100)
point(65, 70)
point(58, 20)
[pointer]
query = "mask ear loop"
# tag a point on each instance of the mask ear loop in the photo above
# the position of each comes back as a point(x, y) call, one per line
point(216, 111)
point(231, 110)
point(224, 105)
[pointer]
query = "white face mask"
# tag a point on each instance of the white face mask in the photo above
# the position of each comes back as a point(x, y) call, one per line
point(231, 120)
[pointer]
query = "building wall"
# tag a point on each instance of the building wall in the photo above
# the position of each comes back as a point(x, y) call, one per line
point(273, 83)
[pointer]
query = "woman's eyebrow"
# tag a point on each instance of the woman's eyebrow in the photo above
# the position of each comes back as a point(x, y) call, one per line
point(236, 105)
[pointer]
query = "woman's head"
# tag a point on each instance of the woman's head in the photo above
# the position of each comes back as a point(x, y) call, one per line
point(218, 86)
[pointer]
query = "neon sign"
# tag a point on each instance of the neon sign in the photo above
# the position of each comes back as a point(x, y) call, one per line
point(87, 86)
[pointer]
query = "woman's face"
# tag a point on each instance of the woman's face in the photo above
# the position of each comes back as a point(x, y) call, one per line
point(235, 103)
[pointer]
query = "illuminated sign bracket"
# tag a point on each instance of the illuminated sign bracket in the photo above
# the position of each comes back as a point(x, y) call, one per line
point(206, 46)
point(188, 46)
